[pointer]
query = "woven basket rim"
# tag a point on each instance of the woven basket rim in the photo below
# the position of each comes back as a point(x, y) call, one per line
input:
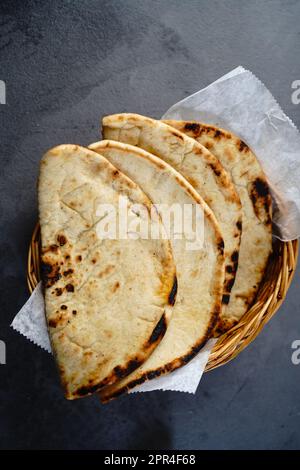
point(271, 294)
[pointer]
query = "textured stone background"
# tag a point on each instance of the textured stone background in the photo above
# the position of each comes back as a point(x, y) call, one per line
point(65, 64)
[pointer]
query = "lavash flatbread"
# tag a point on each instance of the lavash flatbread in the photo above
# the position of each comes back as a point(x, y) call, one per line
point(200, 272)
point(252, 187)
point(200, 167)
point(108, 301)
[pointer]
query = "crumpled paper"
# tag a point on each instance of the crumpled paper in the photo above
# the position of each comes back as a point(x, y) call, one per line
point(239, 102)
point(30, 321)
point(185, 379)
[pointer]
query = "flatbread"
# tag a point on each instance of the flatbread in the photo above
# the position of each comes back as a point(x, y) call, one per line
point(253, 190)
point(108, 301)
point(200, 167)
point(200, 271)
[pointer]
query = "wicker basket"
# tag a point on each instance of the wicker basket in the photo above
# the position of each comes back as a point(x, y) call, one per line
point(272, 292)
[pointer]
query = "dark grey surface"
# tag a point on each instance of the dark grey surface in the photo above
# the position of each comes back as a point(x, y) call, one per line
point(65, 64)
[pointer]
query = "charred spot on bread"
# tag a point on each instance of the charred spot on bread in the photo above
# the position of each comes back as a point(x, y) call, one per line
point(159, 330)
point(87, 390)
point(68, 272)
point(239, 225)
point(225, 299)
point(229, 284)
point(50, 273)
point(261, 199)
point(133, 364)
point(243, 147)
point(176, 134)
point(173, 293)
point(221, 245)
point(61, 239)
point(215, 169)
point(115, 287)
point(261, 188)
point(69, 288)
point(193, 127)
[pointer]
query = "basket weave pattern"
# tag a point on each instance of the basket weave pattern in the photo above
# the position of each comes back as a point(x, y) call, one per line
point(273, 289)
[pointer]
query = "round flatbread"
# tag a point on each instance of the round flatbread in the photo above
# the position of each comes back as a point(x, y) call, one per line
point(252, 187)
point(108, 301)
point(199, 166)
point(200, 268)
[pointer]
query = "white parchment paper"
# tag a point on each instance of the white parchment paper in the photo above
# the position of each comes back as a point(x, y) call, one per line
point(30, 321)
point(239, 102)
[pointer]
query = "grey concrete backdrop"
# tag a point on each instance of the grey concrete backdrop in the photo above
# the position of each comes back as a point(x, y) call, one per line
point(65, 64)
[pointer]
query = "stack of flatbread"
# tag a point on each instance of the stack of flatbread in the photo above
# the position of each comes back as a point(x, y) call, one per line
point(127, 305)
